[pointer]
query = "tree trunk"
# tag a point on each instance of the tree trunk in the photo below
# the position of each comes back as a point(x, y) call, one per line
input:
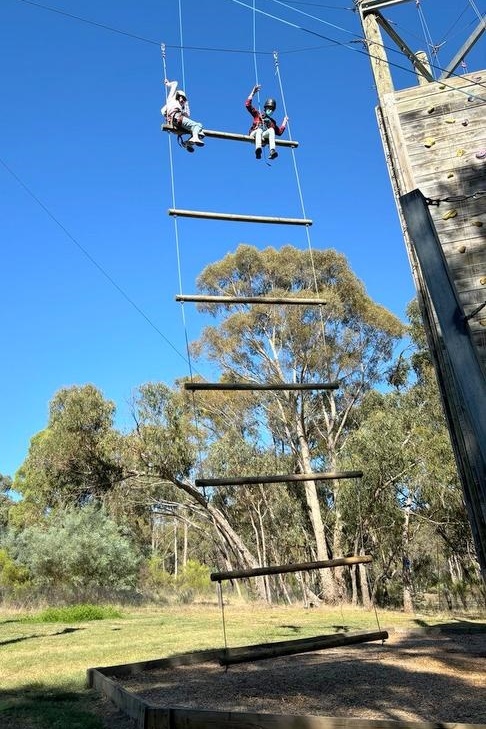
point(329, 589)
point(242, 554)
point(365, 590)
point(406, 563)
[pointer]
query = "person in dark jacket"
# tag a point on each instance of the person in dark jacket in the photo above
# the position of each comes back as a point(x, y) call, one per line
point(264, 127)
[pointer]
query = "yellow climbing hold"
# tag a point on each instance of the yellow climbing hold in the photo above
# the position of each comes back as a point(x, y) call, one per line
point(429, 142)
point(460, 152)
point(477, 223)
point(482, 280)
point(449, 175)
point(450, 121)
point(449, 214)
point(462, 249)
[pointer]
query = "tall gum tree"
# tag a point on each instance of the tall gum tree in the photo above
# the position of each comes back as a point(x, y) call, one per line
point(349, 340)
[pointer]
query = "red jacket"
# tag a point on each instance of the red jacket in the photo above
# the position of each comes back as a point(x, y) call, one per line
point(260, 119)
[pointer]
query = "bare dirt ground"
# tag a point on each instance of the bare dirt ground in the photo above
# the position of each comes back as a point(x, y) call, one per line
point(412, 677)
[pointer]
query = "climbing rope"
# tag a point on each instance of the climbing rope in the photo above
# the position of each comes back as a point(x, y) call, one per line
point(177, 245)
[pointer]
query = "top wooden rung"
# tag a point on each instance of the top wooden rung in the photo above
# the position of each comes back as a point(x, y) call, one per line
point(234, 137)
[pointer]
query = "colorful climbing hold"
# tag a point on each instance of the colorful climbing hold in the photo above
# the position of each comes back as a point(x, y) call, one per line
point(449, 214)
point(481, 154)
point(450, 120)
point(429, 142)
point(477, 223)
point(431, 110)
point(462, 249)
point(460, 152)
point(449, 175)
point(465, 122)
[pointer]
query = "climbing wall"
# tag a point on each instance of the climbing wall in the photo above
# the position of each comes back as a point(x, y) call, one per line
point(435, 140)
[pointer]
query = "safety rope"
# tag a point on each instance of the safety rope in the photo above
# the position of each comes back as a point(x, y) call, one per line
point(301, 197)
point(368, 578)
point(427, 36)
point(178, 249)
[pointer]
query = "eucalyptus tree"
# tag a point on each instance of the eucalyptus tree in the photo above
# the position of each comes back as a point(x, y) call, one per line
point(350, 340)
point(75, 459)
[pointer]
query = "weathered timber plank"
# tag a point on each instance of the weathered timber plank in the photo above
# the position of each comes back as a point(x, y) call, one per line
point(224, 300)
point(131, 704)
point(465, 82)
point(213, 133)
point(264, 651)
point(205, 719)
point(180, 659)
point(258, 386)
point(278, 478)
point(204, 214)
point(295, 567)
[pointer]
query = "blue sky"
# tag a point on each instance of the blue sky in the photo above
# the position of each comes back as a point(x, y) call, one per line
point(90, 262)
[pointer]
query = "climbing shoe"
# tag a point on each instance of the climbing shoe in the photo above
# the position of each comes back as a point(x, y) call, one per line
point(273, 154)
point(258, 153)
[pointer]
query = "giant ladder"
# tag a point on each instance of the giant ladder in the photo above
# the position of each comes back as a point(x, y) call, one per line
point(289, 647)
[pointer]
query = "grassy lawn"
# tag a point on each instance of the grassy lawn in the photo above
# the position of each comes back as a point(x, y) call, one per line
point(43, 665)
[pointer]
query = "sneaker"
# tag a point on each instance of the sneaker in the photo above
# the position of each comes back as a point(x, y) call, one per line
point(258, 152)
point(273, 154)
point(189, 147)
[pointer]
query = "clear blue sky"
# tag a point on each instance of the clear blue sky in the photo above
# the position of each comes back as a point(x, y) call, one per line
point(89, 263)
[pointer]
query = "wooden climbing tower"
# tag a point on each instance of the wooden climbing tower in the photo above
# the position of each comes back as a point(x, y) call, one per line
point(434, 139)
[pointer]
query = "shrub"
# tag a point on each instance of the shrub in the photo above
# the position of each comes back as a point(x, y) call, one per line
point(74, 614)
point(76, 554)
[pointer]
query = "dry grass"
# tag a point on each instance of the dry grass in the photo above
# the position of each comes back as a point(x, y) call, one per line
point(40, 657)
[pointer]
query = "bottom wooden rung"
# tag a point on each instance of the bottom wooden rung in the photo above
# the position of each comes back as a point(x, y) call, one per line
point(260, 651)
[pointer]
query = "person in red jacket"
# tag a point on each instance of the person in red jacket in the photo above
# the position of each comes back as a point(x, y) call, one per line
point(264, 127)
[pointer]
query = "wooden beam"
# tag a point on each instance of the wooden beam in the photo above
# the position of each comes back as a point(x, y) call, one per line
point(295, 567)
point(234, 137)
point(237, 217)
point(376, 51)
point(203, 299)
point(244, 654)
point(257, 386)
point(458, 367)
point(280, 478)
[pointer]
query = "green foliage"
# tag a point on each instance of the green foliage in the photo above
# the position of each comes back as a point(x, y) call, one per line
point(195, 577)
point(81, 613)
point(13, 577)
point(76, 458)
point(75, 553)
point(164, 442)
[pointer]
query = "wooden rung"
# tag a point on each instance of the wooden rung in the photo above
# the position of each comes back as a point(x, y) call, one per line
point(295, 567)
point(237, 217)
point(261, 651)
point(256, 386)
point(280, 478)
point(202, 298)
point(235, 137)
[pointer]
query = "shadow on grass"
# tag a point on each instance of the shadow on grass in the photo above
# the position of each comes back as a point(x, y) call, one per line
point(41, 635)
point(36, 706)
point(456, 626)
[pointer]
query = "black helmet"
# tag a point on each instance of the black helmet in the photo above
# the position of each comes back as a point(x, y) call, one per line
point(270, 104)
